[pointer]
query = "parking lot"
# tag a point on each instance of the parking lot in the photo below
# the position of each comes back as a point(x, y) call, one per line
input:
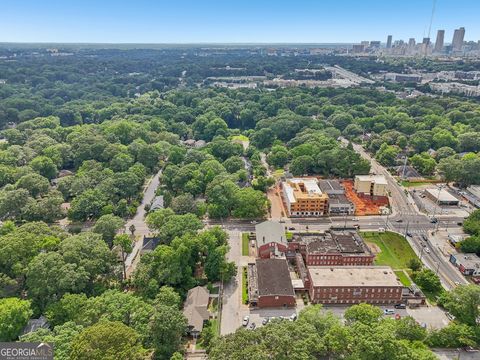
point(432, 316)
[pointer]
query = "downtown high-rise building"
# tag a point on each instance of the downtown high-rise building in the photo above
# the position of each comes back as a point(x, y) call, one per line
point(411, 42)
point(458, 36)
point(439, 42)
point(389, 41)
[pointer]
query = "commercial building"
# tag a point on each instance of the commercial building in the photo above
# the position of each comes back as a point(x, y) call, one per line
point(353, 285)
point(195, 309)
point(331, 187)
point(468, 264)
point(331, 248)
point(271, 239)
point(439, 42)
point(269, 284)
point(340, 205)
point(373, 187)
point(303, 197)
point(441, 196)
point(457, 41)
point(402, 78)
point(389, 41)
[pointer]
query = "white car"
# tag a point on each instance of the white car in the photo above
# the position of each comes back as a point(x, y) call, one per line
point(427, 250)
point(245, 321)
point(293, 317)
point(388, 312)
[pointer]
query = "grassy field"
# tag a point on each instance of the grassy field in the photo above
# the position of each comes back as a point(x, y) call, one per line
point(244, 286)
point(245, 241)
point(395, 251)
point(240, 138)
point(404, 279)
point(414, 183)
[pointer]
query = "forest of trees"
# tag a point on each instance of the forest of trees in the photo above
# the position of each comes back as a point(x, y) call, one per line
point(82, 134)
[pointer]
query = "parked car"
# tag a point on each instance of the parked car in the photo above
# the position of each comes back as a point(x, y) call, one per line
point(253, 326)
point(427, 250)
point(265, 321)
point(400, 306)
point(293, 317)
point(388, 312)
point(253, 222)
point(245, 321)
point(354, 219)
point(291, 228)
point(381, 229)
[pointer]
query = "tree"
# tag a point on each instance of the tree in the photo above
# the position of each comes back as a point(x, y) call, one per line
point(169, 297)
point(87, 205)
point(414, 264)
point(107, 340)
point(233, 164)
point(387, 154)
point(250, 204)
point(167, 328)
point(61, 336)
point(44, 166)
point(170, 225)
point(108, 226)
point(13, 203)
point(184, 204)
point(35, 184)
point(470, 245)
point(453, 336)
point(409, 329)
point(463, 302)
point(427, 280)
point(471, 225)
point(124, 242)
point(14, 315)
point(363, 313)
point(49, 276)
point(302, 165)
point(424, 163)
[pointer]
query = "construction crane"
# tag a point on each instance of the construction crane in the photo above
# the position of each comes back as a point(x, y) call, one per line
point(430, 26)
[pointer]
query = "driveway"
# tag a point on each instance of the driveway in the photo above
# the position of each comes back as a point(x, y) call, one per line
point(141, 228)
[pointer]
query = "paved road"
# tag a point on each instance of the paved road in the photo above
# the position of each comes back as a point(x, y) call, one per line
point(141, 228)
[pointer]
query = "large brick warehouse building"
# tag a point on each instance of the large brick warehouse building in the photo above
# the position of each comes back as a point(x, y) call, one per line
point(353, 285)
point(269, 284)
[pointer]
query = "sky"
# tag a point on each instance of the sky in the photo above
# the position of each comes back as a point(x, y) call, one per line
point(232, 21)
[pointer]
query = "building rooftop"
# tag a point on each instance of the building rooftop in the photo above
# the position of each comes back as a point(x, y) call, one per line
point(298, 188)
point(347, 276)
point(270, 231)
point(468, 260)
point(330, 185)
point(441, 194)
point(377, 179)
point(333, 242)
point(273, 277)
point(195, 308)
point(338, 199)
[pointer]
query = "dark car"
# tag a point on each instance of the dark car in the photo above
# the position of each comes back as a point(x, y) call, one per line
point(399, 220)
point(253, 326)
point(433, 220)
point(291, 228)
point(400, 306)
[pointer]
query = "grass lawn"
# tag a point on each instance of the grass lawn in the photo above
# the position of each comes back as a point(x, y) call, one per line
point(240, 138)
point(245, 241)
point(406, 183)
point(404, 279)
point(395, 251)
point(244, 286)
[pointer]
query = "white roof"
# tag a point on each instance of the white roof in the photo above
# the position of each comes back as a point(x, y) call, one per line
point(270, 231)
point(289, 193)
point(441, 194)
point(311, 185)
point(347, 276)
point(377, 179)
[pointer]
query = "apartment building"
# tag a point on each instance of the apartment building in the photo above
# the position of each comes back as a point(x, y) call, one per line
point(353, 285)
point(372, 187)
point(303, 197)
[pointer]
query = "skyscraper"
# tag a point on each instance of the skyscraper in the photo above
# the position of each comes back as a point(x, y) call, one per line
point(457, 41)
point(439, 42)
point(389, 41)
point(411, 42)
point(426, 41)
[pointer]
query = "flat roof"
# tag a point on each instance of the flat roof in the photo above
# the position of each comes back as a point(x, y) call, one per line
point(270, 231)
point(328, 185)
point(377, 179)
point(274, 277)
point(468, 260)
point(441, 194)
point(349, 243)
point(302, 188)
point(338, 199)
point(348, 276)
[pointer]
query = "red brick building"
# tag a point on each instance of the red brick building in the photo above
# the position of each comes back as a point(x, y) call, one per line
point(331, 249)
point(271, 239)
point(269, 284)
point(353, 285)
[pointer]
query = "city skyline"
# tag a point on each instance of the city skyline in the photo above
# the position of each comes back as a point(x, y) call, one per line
point(186, 21)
